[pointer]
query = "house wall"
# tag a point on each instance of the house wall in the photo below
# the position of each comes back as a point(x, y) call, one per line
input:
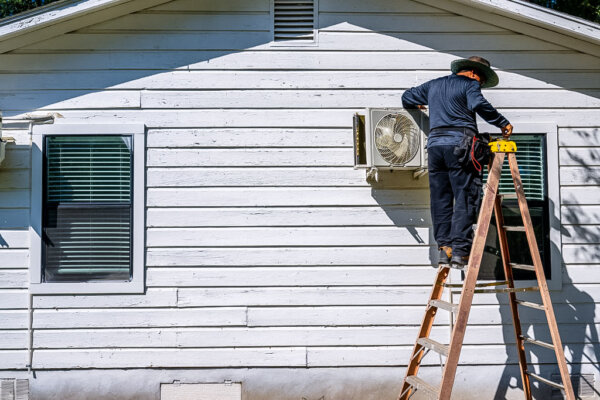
point(270, 260)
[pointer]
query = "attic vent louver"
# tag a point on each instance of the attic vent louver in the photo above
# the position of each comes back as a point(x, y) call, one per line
point(294, 20)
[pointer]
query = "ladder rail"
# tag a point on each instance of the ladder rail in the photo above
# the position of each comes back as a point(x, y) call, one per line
point(417, 355)
point(541, 277)
point(506, 264)
point(466, 298)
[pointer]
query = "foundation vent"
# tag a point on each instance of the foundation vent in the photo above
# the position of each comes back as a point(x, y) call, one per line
point(200, 391)
point(14, 389)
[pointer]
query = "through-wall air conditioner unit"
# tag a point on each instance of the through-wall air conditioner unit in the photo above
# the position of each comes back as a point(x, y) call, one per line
point(391, 139)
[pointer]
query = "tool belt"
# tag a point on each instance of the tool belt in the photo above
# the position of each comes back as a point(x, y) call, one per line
point(473, 151)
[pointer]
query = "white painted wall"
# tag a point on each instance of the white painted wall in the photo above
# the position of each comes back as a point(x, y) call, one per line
point(264, 247)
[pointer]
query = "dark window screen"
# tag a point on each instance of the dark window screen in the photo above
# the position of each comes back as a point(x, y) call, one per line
point(87, 215)
point(531, 158)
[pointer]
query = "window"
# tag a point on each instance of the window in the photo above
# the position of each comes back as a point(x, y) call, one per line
point(88, 209)
point(531, 158)
point(294, 21)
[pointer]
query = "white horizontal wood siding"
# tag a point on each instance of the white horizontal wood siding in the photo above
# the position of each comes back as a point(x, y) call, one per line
point(579, 155)
point(580, 192)
point(15, 184)
point(264, 247)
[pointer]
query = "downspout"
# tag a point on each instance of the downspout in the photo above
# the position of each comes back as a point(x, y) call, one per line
point(3, 141)
point(31, 120)
point(30, 335)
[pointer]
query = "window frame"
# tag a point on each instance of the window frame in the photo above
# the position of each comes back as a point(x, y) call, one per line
point(136, 284)
point(550, 132)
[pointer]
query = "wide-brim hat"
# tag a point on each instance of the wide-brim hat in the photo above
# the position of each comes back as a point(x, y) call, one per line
point(481, 65)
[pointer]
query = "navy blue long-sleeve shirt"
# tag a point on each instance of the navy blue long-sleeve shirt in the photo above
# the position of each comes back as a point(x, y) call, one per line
point(453, 101)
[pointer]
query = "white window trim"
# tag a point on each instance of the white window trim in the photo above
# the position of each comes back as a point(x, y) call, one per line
point(136, 285)
point(292, 43)
point(553, 185)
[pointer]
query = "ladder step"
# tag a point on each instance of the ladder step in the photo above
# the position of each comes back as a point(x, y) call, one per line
point(444, 305)
point(509, 290)
point(523, 267)
point(508, 196)
point(460, 285)
point(537, 342)
point(514, 228)
point(420, 384)
point(433, 345)
point(546, 381)
point(531, 305)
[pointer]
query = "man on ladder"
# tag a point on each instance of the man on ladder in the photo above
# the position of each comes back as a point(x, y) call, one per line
point(454, 100)
point(455, 184)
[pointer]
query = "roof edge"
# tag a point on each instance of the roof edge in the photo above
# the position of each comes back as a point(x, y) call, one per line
point(51, 14)
point(541, 16)
point(64, 16)
point(525, 18)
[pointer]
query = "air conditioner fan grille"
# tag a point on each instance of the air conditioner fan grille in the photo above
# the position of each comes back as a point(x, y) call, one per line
point(397, 139)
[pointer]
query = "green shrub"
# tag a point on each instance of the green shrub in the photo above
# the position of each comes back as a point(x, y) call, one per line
point(11, 7)
point(588, 9)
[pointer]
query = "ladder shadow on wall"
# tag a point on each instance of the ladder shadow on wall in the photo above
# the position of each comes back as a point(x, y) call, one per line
point(15, 198)
point(575, 312)
point(578, 333)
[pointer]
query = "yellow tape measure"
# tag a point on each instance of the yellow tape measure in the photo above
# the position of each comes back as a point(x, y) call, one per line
point(503, 146)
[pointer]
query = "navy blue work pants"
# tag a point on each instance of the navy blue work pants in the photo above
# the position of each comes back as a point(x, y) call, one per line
point(455, 199)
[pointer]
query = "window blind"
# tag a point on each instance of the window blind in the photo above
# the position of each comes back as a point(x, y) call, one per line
point(294, 20)
point(87, 208)
point(530, 158)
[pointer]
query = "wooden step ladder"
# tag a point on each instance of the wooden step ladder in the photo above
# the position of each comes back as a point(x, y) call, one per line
point(491, 202)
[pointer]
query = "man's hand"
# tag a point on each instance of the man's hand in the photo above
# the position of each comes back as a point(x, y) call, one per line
point(507, 131)
point(422, 107)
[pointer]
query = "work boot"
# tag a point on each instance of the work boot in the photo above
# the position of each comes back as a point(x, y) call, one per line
point(459, 261)
point(445, 255)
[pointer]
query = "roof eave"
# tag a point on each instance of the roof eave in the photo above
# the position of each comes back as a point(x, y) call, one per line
point(61, 17)
point(68, 15)
point(542, 17)
point(539, 22)
point(51, 14)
